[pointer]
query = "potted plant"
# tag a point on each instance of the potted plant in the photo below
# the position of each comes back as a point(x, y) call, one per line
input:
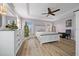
point(26, 30)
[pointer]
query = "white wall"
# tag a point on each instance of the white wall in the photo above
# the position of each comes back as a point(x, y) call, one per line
point(60, 26)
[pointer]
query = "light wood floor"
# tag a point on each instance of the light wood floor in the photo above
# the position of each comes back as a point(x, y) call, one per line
point(32, 47)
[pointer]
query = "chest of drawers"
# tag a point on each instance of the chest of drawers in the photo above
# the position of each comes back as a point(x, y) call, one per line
point(10, 42)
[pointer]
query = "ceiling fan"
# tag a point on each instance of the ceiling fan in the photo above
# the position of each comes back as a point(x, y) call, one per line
point(51, 12)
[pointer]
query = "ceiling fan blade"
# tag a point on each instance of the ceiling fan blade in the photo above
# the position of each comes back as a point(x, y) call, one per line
point(55, 10)
point(49, 10)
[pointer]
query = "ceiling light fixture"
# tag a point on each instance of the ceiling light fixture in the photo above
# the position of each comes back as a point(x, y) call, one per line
point(3, 9)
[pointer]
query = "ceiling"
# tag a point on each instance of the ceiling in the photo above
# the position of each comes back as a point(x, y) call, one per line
point(35, 10)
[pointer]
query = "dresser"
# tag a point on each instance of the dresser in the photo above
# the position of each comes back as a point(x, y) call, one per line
point(10, 42)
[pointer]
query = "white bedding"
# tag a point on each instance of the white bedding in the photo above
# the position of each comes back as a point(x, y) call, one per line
point(45, 37)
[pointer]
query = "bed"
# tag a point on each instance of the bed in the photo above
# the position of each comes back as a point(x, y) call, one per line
point(45, 37)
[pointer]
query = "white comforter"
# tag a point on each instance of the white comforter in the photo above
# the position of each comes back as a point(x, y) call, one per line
point(44, 37)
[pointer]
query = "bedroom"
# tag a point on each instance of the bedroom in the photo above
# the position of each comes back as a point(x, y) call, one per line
point(49, 34)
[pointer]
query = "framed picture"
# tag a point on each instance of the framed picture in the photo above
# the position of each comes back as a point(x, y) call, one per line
point(69, 23)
